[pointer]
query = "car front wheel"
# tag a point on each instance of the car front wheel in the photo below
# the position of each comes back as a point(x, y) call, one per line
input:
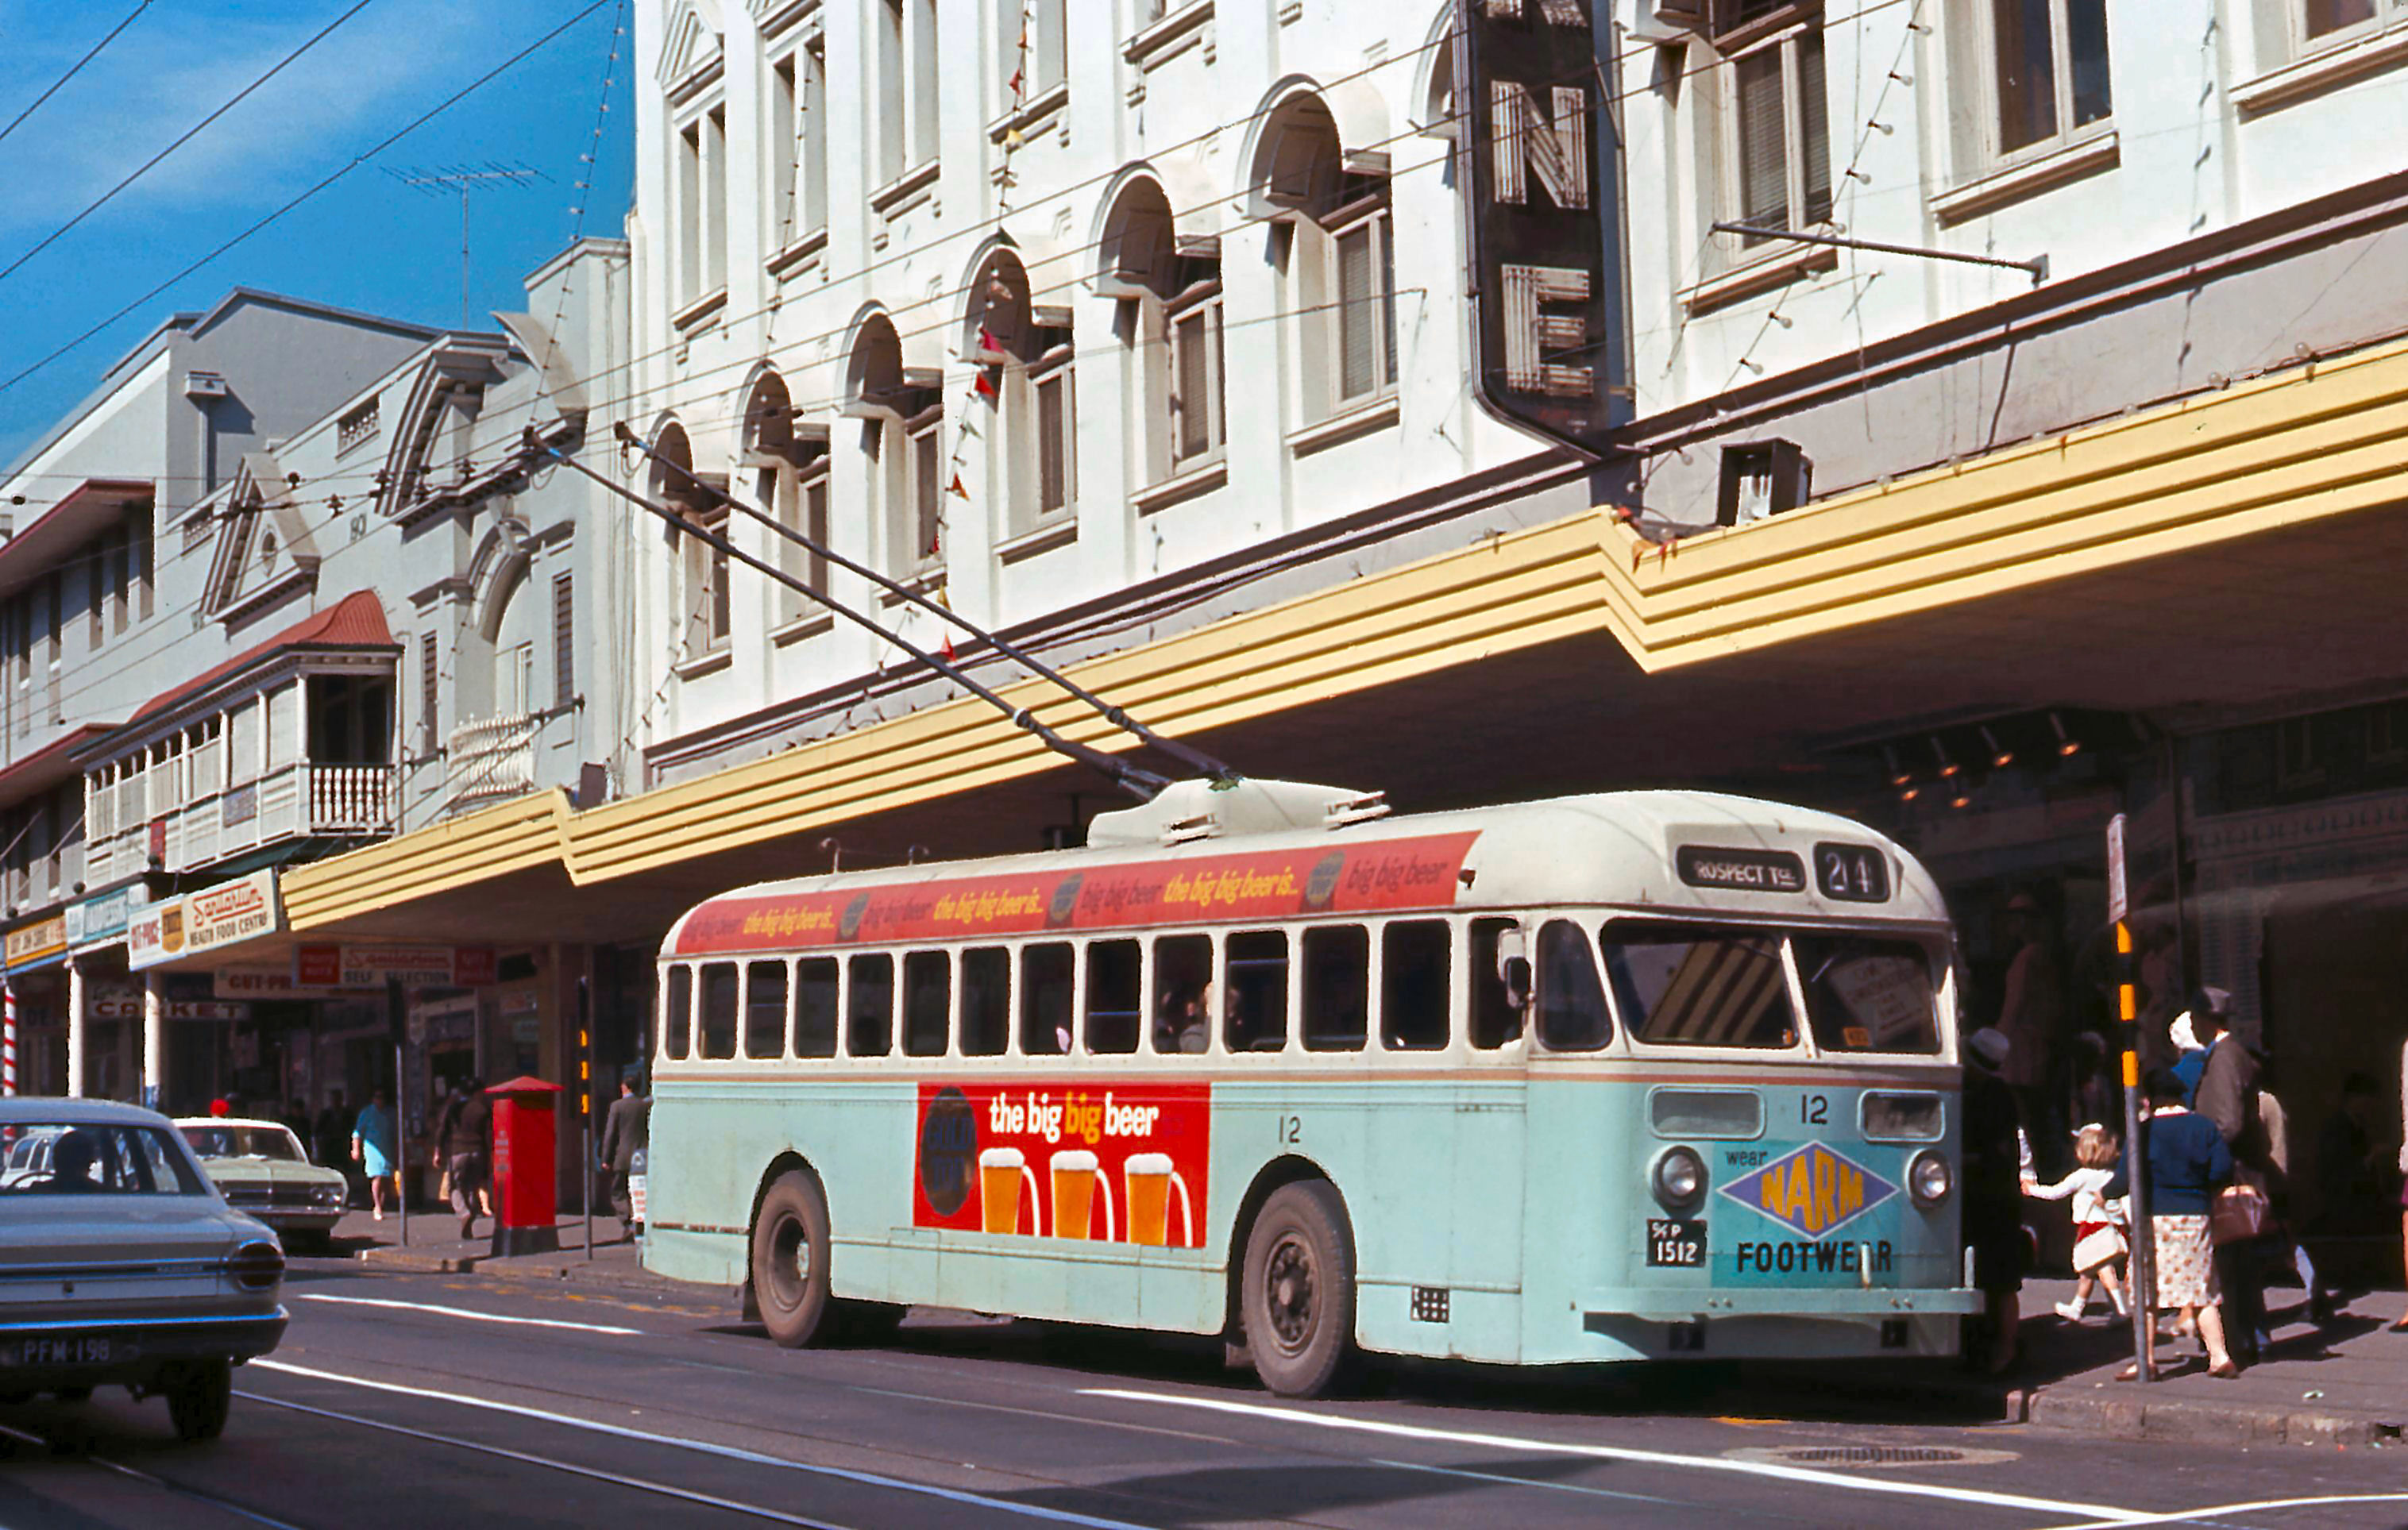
point(199, 1396)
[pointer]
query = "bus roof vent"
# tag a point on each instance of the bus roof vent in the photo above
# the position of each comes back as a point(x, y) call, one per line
point(1203, 809)
point(1362, 810)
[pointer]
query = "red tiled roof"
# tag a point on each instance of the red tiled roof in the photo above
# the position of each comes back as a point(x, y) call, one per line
point(356, 621)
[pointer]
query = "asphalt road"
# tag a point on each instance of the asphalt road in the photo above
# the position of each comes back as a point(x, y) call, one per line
point(428, 1400)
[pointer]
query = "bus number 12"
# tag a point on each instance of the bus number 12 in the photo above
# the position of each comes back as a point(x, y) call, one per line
point(1291, 1129)
point(1815, 1110)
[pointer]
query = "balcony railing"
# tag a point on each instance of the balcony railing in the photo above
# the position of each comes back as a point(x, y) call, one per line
point(292, 801)
point(492, 760)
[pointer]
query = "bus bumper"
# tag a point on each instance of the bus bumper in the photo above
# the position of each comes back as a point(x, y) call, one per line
point(1675, 1305)
point(1770, 1324)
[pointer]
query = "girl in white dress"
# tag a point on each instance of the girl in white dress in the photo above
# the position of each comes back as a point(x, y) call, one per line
point(2099, 1240)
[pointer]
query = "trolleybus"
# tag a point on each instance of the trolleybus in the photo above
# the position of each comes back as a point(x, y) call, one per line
point(1635, 1076)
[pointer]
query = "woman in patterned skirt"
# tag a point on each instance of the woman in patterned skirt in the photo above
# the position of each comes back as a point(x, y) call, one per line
point(2187, 1163)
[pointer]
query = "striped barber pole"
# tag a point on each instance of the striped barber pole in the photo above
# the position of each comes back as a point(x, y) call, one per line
point(8, 1041)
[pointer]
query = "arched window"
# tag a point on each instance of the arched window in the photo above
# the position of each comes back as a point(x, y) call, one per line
point(905, 409)
point(1170, 289)
point(1025, 348)
point(789, 463)
point(1341, 255)
point(702, 585)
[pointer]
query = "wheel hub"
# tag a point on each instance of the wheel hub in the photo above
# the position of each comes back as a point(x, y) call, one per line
point(1289, 1280)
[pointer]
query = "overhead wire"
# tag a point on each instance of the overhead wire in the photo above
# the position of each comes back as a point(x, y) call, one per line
point(74, 69)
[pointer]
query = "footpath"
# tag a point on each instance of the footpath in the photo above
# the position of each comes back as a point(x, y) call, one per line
point(2341, 1383)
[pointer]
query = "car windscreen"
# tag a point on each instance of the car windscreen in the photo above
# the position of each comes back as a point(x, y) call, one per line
point(1693, 985)
point(244, 1142)
point(84, 1158)
point(1869, 994)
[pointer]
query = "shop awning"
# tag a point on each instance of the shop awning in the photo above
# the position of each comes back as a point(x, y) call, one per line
point(48, 766)
point(82, 513)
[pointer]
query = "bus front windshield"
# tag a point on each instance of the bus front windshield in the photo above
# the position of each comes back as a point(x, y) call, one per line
point(1689, 985)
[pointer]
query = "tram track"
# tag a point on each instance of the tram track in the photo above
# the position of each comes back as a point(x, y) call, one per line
point(66, 1450)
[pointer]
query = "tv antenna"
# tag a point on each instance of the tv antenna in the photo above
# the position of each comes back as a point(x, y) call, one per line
point(464, 178)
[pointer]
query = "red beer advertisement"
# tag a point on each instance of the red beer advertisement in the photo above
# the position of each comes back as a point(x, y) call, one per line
point(1379, 876)
point(1118, 1162)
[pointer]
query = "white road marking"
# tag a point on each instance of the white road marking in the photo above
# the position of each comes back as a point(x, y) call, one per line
point(2105, 1514)
point(466, 1312)
point(2213, 1511)
point(702, 1447)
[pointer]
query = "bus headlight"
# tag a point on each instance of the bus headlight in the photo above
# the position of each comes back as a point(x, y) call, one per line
point(1679, 1178)
point(1929, 1179)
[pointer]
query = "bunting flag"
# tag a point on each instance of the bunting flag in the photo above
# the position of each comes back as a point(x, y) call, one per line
point(955, 488)
point(950, 657)
point(984, 387)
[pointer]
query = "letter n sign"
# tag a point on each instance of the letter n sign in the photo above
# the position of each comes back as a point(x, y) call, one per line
point(1542, 217)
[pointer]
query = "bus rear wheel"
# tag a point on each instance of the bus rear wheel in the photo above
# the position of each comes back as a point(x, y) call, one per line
point(1299, 1291)
point(790, 1261)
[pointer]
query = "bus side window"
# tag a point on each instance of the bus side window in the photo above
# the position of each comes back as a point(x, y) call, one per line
point(1414, 997)
point(927, 1002)
point(677, 1035)
point(986, 1000)
point(1337, 988)
point(815, 1006)
point(764, 1010)
point(869, 1006)
point(1045, 980)
point(1256, 1018)
point(1496, 1019)
point(1114, 990)
point(718, 1009)
point(1571, 1001)
point(1183, 993)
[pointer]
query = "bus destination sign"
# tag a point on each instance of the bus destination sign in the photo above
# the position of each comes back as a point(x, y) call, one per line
point(1542, 217)
point(1851, 873)
point(1741, 870)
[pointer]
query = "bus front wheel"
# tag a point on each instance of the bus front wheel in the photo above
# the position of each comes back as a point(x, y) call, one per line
point(790, 1260)
point(1299, 1291)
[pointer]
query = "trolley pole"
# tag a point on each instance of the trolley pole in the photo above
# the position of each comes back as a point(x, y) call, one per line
point(2144, 1319)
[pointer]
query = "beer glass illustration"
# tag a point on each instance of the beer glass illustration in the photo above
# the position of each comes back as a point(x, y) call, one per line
point(1001, 1172)
point(1079, 1184)
point(1150, 1180)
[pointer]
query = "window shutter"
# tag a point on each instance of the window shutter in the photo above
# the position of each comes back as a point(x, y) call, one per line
point(564, 640)
point(1763, 162)
point(1053, 446)
point(427, 677)
point(1354, 315)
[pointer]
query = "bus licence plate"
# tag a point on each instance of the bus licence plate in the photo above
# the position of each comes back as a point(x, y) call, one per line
point(63, 1349)
point(1678, 1243)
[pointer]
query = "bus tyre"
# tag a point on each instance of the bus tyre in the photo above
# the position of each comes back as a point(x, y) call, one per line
point(790, 1261)
point(1299, 1291)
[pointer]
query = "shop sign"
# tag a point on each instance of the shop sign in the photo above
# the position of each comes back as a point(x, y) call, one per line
point(443, 1019)
point(373, 966)
point(1542, 217)
point(207, 1009)
point(266, 982)
point(113, 1001)
point(526, 1033)
point(197, 922)
point(522, 1001)
point(99, 922)
point(31, 945)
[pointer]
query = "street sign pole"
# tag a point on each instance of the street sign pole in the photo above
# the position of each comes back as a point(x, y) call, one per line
point(2138, 1270)
point(585, 1093)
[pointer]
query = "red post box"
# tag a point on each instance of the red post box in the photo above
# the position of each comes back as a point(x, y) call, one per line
point(525, 1212)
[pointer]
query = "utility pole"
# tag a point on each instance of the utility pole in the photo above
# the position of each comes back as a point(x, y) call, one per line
point(466, 178)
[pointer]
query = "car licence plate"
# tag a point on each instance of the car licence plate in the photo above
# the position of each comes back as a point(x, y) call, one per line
point(1677, 1243)
point(59, 1350)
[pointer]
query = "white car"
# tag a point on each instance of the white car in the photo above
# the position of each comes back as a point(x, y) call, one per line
point(120, 1265)
point(260, 1167)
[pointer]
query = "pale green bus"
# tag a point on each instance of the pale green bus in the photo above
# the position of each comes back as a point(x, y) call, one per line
point(1636, 1076)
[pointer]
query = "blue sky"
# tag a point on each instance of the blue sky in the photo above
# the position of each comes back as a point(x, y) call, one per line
point(366, 242)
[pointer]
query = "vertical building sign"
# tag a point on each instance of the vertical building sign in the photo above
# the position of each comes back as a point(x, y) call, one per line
point(1542, 217)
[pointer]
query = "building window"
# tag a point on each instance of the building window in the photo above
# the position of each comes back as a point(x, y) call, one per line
point(1362, 251)
point(2049, 61)
point(1778, 154)
point(1198, 418)
point(798, 140)
point(689, 213)
point(2317, 20)
point(1027, 349)
point(1033, 36)
point(714, 192)
point(706, 585)
point(923, 499)
point(906, 104)
point(563, 642)
point(429, 691)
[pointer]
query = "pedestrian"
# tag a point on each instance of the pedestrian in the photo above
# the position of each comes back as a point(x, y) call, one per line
point(626, 1132)
point(2098, 1241)
point(464, 1152)
point(376, 1147)
point(2271, 1137)
point(1994, 1219)
point(2186, 1164)
point(2223, 1090)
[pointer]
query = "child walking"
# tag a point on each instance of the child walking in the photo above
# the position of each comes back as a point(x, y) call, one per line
point(2098, 1242)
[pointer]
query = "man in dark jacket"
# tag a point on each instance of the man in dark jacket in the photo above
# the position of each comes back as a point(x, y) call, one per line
point(626, 1132)
point(464, 1149)
point(2227, 1096)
